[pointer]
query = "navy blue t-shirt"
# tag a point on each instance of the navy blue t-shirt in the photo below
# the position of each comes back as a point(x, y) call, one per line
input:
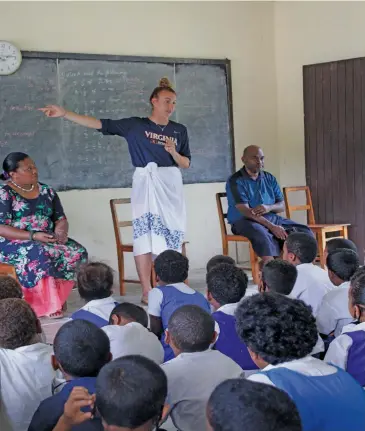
point(146, 139)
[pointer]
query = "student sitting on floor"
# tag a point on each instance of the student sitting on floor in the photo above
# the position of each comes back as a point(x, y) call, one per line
point(130, 395)
point(95, 286)
point(334, 313)
point(280, 333)
point(9, 288)
point(26, 372)
point(128, 333)
point(171, 270)
point(337, 243)
point(279, 276)
point(226, 286)
point(238, 404)
point(218, 259)
point(197, 370)
point(348, 349)
point(81, 349)
point(312, 282)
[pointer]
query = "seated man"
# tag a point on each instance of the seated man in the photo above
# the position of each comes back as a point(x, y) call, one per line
point(254, 201)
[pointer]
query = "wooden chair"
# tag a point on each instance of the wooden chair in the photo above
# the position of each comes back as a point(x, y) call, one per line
point(226, 238)
point(127, 248)
point(6, 269)
point(320, 230)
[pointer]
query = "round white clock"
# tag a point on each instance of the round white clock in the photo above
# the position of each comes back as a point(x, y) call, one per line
point(10, 58)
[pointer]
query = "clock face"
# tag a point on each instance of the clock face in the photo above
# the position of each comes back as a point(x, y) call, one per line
point(10, 58)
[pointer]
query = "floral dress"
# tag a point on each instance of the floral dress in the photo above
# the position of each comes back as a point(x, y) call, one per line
point(33, 260)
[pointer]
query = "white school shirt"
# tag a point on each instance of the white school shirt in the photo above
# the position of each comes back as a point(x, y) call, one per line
point(307, 366)
point(134, 339)
point(338, 350)
point(191, 379)
point(333, 314)
point(100, 307)
point(155, 297)
point(26, 376)
point(311, 285)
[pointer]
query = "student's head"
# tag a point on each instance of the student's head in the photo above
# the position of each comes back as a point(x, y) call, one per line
point(81, 349)
point(171, 267)
point(190, 329)
point(226, 284)
point(19, 325)
point(357, 295)
point(278, 276)
point(95, 281)
point(20, 168)
point(336, 243)
point(126, 312)
point(276, 328)
point(300, 248)
point(218, 259)
point(130, 394)
point(239, 404)
point(253, 158)
point(342, 264)
point(163, 99)
point(9, 288)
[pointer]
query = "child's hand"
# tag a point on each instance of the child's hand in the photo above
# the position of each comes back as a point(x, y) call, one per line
point(79, 397)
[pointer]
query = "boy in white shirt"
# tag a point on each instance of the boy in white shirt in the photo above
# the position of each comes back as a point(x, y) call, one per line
point(337, 243)
point(196, 370)
point(334, 313)
point(280, 333)
point(348, 349)
point(26, 371)
point(128, 333)
point(95, 286)
point(312, 282)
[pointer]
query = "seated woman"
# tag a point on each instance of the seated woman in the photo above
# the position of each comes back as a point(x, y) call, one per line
point(34, 237)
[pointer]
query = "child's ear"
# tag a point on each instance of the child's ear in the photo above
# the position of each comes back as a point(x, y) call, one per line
point(115, 319)
point(357, 312)
point(110, 357)
point(39, 327)
point(209, 296)
point(54, 362)
point(167, 337)
point(214, 339)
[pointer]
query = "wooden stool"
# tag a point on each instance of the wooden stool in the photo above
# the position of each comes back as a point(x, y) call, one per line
point(319, 230)
point(226, 238)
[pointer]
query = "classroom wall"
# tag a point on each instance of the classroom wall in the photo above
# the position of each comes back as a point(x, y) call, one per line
point(242, 32)
point(307, 33)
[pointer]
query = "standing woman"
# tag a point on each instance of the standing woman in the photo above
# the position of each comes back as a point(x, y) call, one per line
point(158, 147)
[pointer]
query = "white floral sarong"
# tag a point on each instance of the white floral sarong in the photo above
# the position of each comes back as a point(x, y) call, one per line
point(158, 209)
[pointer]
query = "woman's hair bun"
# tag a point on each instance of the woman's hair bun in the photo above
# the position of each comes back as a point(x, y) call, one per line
point(165, 83)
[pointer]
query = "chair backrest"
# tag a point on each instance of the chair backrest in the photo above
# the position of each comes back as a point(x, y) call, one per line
point(307, 207)
point(116, 223)
point(222, 215)
point(6, 269)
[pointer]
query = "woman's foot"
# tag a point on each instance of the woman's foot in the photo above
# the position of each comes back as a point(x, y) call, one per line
point(57, 315)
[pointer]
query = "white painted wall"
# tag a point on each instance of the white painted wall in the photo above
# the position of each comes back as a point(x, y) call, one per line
point(242, 32)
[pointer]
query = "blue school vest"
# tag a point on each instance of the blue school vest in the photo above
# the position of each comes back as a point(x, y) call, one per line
point(90, 317)
point(172, 300)
point(229, 343)
point(356, 356)
point(335, 402)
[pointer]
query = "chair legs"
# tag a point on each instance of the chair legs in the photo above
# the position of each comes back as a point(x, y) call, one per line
point(121, 273)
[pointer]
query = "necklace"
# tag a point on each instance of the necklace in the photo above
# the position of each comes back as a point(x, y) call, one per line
point(161, 127)
point(22, 188)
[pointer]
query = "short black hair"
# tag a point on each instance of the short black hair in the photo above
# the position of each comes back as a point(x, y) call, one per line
point(95, 281)
point(279, 276)
point(357, 283)
point(81, 348)
point(131, 391)
point(227, 283)
point(191, 328)
point(336, 243)
point(275, 327)
point(303, 245)
point(171, 267)
point(218, 259)
point(130, 311)
point(18, 323)
point(240, 404)
point(343, 262)
point(9, 288)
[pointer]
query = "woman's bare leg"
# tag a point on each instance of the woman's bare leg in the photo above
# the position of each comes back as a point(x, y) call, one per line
point(144, 268)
